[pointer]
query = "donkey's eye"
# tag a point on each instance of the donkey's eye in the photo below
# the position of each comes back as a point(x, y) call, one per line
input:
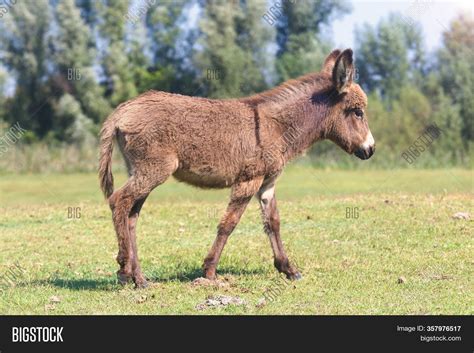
point(359, 113)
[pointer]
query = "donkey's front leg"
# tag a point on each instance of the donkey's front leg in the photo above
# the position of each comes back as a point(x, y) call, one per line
point(271, 224)
point(241, 194)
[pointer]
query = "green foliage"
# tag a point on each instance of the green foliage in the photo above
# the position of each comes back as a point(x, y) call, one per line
point(305, 54)
point(3, 79)
point(79, 129)
point(233, 42)
point(171, 49)
point(25, 53)
point(456, 67)
point(389, 56)
point(118, 76)
point(72, 61)
point(74, 54)
point(164, 21)
point(301, 47)
point(136, 42)
point(447, 116)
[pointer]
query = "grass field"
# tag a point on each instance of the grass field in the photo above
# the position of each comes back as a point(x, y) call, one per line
point(366, 242)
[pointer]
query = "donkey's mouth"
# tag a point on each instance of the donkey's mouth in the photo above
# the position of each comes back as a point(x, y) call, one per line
point(365, 153)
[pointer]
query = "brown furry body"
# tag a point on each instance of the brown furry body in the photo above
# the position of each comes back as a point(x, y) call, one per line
point(238, 143)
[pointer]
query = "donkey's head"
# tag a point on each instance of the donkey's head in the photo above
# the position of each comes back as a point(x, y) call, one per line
point(347, 121)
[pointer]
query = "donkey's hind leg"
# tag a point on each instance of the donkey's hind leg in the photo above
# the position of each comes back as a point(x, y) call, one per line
point(126, 203)
point(241, 194)
point(137, 275)
point(121, 203)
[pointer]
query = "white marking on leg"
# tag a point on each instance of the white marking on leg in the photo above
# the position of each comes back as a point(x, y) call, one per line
point(267, 196)
point(265, 199)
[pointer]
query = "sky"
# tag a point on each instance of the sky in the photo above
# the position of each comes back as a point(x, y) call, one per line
point(434, 17)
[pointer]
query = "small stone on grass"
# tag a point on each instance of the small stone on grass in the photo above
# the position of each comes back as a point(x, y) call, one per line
point(220, 301)
point(401, 280)
point(462, 215)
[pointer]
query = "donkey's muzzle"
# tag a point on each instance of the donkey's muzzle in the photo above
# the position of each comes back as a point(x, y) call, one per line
point(365, 153)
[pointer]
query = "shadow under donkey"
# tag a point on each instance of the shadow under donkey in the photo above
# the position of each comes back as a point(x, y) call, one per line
point(187, 275)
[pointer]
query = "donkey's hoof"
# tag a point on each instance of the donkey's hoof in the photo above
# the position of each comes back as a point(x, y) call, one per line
point(141, 284)
point(294, 276)
point(211, 278)
point(210, 274)
point(123, 278)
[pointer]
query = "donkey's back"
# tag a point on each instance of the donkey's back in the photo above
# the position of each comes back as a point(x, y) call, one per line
point(203, 142)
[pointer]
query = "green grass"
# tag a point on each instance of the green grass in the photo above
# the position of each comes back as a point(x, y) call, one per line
point(349, 265)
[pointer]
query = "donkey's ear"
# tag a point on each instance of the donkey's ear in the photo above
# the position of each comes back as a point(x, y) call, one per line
point(343, 71)
point(330, 61)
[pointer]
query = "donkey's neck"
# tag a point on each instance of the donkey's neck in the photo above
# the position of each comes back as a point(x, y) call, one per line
point(301, 120)
point(297, 110)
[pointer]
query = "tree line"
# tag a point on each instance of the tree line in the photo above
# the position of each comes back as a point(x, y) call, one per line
point(65, 64)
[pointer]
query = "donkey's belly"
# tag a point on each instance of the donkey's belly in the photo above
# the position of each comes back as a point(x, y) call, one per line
point(204, 178)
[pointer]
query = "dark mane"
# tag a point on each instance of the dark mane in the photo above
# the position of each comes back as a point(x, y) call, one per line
point(289, 88)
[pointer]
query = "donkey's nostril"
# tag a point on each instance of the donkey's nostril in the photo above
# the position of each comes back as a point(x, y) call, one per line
point(365, 153)
point(360, 153)
point(371, 150)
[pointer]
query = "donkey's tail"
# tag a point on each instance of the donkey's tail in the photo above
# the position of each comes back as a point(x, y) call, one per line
point(107, 135)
